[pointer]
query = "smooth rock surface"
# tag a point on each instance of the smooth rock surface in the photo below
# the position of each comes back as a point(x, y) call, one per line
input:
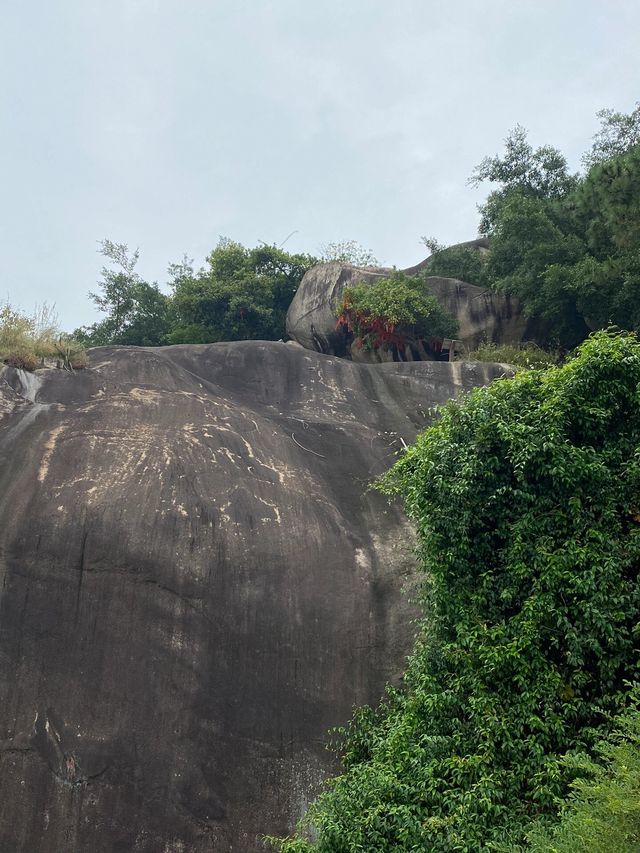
point(195, 586)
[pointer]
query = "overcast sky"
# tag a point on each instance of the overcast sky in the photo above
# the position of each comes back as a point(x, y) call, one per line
point(167, 123)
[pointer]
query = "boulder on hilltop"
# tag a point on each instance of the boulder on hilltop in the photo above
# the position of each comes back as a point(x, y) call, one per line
point(481, 313)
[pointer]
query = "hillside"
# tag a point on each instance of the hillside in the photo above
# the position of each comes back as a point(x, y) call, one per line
point(196, 585)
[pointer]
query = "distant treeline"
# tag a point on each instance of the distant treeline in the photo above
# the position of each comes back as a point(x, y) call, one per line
point(567, 245)
point(241, 294)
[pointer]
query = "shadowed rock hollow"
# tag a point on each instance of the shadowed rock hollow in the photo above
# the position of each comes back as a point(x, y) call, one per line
point(195, 586)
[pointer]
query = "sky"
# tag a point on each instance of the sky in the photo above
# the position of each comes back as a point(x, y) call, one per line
point(166, 124)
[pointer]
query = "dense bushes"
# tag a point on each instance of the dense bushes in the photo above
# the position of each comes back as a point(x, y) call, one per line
point(243, 294)
point(603, 812)
point(461, 262)
point(393, 310)
point(527, 355)
point(526, 497)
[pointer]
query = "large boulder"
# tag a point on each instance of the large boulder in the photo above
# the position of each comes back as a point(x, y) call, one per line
point(195, 586)
point(481, 314)
point(311, 318)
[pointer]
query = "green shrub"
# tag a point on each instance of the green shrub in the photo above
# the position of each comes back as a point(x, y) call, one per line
point(392, 310)
point(519, 355)
point(459, 262)
point(243, 294)
point(526, 497)
point(603, 813)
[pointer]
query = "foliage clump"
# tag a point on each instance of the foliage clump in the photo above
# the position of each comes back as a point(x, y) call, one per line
point(603, 812)
point(527, 355)
point(26, 341)
point(347, 252)
point(526, 497)
point(137, 313)
point(618, 133)
point(568, 246)
point(461, 262)
point(243, 294)
point(392, 310)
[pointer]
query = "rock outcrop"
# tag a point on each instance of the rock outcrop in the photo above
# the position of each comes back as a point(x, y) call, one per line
point(195, 586)
point(482, 314)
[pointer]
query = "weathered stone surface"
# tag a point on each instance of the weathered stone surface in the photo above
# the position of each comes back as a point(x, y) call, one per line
point(195, 586)
point(482, 314)
point(311, 318)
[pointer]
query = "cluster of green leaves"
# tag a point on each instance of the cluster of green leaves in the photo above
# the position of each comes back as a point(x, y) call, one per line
point(618, 132)
point(568, 245)
point(137, 313)
point(393, 310)
point(526, 498)
point(241, 294)
point(462, 262)
point(603, 812)
point(27, 340)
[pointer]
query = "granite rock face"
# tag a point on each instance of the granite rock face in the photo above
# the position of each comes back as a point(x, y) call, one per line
point(195, 586)
point(482, 314)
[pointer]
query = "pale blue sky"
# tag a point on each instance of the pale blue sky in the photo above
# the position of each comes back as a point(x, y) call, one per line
point(166, 124)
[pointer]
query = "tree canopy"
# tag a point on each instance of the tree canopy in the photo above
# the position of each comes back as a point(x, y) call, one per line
point(137, 313)
point(241, 294)
point(347, 252)
point(567, 245)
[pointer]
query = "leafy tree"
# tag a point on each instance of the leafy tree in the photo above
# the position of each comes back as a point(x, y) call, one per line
point(395, 311)
point(242, 294)
point(348, 252)
point(526, 497)
point(568, 247)
point(531, 237)
point(618, 133)
point(138, 313)
point(533, 173)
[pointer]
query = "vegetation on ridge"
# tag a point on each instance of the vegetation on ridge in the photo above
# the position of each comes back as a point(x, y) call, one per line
point(27, 341)
point(567, 245)
point(242, 294)
point(526, 355)
point(393, 310)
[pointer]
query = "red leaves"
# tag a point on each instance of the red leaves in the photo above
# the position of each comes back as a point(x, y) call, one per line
point(370, 331)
